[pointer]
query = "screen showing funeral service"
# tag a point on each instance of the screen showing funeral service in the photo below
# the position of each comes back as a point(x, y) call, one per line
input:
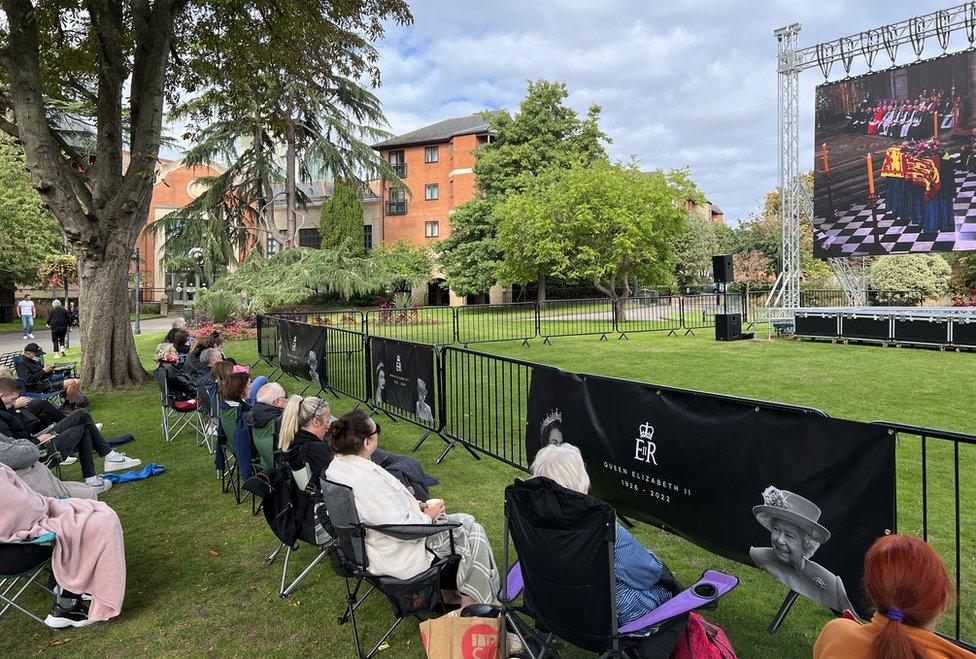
point(895, 161)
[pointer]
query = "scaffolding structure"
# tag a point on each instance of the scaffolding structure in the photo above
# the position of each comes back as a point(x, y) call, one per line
point(796, 200)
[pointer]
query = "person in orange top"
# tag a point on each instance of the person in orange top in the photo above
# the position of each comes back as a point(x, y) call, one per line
point(910, 589)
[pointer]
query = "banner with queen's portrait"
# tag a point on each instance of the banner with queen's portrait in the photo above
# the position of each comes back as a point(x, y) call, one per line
point(785, 489)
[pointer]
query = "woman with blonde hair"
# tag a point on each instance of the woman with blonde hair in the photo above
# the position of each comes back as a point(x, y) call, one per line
point(304, 424)
point(909, 586)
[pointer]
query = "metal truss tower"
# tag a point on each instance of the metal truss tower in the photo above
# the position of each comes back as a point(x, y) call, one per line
point(795, 199)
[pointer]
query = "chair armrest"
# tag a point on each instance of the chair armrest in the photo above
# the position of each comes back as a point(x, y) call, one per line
point(411, 531)
point(39, 540)
point(514, 583)
point(710, 587)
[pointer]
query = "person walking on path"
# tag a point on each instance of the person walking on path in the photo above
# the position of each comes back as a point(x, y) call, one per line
point(25, 309)
point(59, 321)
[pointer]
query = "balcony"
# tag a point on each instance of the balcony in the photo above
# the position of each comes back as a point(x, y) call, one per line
point(396, 207)
point(400, 169)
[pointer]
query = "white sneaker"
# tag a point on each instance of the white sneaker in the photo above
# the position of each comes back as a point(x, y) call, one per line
point(30, 336)
point(120, 462)
point(98, 482)
point(98, 427)
point(70, 460)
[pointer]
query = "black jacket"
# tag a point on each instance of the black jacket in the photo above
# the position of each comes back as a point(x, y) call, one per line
point(308, 449)
point(33, 375)
point(13, 424)
point(262, 414)
point(58, 318)
point(181, 386)
point(192, 364)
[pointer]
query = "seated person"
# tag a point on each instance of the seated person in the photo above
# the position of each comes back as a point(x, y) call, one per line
point(180, 385)
point(268, 406)
point(42, 379)
point(637, 569)
point(89, 556)
point(232, 389)
point(180, 338)
point(23, 456)
point(35, 413)
point(404, 468)
point(382, 499)
point(910, 589)
point(77, 433)
point(205, 376)
point(193, 362)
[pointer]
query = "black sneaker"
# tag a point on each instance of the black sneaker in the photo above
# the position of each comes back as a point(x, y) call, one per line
point(61, 617)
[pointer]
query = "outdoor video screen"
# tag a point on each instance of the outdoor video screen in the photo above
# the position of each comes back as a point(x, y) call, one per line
point(895, 161)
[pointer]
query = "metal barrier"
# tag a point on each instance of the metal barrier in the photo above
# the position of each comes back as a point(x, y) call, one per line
point(486, 402)
point(267, 335)
point(655, 313)
point(431, 325)
point(946, 462)
point(591, 316)
point(346, 362)
point(486, 323)
point(698, 311)
point(350, 319)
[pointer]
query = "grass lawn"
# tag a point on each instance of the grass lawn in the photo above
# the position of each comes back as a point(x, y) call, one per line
point(197, 584)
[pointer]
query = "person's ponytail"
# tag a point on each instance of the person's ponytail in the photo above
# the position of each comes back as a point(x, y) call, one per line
point(289, 423)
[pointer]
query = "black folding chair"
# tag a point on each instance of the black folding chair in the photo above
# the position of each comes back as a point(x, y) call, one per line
point(21, 563)
point(177, 415)
point(565, 575)
point(407, 597)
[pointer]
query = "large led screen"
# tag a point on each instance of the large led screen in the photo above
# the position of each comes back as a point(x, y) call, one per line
point(895, 161)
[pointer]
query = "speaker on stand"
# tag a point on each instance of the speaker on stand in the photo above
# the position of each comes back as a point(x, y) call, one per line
point(728, 326)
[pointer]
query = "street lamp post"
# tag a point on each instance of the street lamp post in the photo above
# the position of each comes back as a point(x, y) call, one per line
point(138, 327)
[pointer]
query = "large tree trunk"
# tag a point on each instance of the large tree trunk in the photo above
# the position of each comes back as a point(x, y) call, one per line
point(541, 293)
point(106, 335)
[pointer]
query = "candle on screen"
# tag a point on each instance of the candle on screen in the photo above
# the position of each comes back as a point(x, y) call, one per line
point(826, 165)
point(870, 159)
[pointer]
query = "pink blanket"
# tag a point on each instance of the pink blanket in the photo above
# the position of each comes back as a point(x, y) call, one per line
point(89, 555)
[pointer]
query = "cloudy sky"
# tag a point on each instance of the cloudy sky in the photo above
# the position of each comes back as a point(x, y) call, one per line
point(682, 84)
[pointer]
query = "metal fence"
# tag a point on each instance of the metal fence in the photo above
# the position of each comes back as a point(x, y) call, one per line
point(346, 362)
point(590, 316)
point(432, 325)
point(652, 313)
point(485, 323)
point(698, 311)
point(486, 402)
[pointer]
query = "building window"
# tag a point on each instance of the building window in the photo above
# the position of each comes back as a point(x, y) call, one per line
point(452, 188)
point(309, 238)
point(368, 237)
point(431, 192)
point(432, 229)
point(397, 204)
point(398, 163)
point(431, 154)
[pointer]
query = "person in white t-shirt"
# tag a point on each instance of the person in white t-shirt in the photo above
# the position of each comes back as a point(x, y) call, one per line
point(25, 309)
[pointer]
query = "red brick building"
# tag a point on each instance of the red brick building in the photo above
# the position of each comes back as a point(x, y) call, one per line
point(436, 163)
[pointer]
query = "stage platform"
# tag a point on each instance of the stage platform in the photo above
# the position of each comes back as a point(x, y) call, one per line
point(941, 327)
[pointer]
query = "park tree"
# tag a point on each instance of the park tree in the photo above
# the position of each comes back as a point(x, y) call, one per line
point(927, 273)
point(963, 276)
point(545, 134)
point(694, 247)
point(341, 221)
point(470, 256)
point(753, 268)
point(59, 270)
point(118, 63)
point(29, 233)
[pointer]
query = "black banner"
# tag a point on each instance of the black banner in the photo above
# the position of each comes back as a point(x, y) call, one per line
point(301, 351)
point(403, 376)
point(798, 494)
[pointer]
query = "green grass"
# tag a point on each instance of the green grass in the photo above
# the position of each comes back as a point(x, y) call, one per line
point(197, 585)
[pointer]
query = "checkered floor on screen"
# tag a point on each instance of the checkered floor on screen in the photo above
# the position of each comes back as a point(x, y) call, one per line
point(854, 233)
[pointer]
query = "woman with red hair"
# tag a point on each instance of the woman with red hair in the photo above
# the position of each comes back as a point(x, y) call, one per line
point(910, 589)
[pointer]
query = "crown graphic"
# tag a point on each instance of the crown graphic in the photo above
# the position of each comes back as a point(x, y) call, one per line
point(553, 416)
point(646, 431)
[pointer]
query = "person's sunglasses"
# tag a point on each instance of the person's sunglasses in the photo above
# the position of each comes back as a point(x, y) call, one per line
point(377, 431)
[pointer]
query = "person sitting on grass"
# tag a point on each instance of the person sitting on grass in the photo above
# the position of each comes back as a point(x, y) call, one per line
point(180, 385)
point(42, 379)
point(382, 499)
point(76, 433)
point(89, 552)
point(910, 589)
point(637, 570)
point(24, 457)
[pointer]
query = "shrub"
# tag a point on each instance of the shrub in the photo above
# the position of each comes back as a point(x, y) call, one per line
point(927, 273)
point(220, 305)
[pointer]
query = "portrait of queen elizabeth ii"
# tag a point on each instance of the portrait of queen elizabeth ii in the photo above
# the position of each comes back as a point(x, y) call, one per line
point(795, 536)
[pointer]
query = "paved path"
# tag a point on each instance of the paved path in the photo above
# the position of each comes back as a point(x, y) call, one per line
point(12, 341)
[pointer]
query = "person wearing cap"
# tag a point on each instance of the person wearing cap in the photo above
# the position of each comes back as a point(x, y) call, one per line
point(37, 377)
point(795, 535)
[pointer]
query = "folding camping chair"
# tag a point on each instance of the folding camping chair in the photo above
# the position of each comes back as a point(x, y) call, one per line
point(286, 491)
point(407, 597)
point(177, 415)
point(230, 469)
point(565, 543)
point(21, 563)
point(207, 419)
point(42, 395)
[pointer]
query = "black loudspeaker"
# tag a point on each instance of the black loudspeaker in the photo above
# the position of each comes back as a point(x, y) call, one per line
point(722, 269)
point(728, 326)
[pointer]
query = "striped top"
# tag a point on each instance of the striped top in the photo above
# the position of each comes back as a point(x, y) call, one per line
point(637, 572)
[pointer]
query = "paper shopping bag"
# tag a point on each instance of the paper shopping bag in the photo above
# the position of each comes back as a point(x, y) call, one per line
point(452, 636)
